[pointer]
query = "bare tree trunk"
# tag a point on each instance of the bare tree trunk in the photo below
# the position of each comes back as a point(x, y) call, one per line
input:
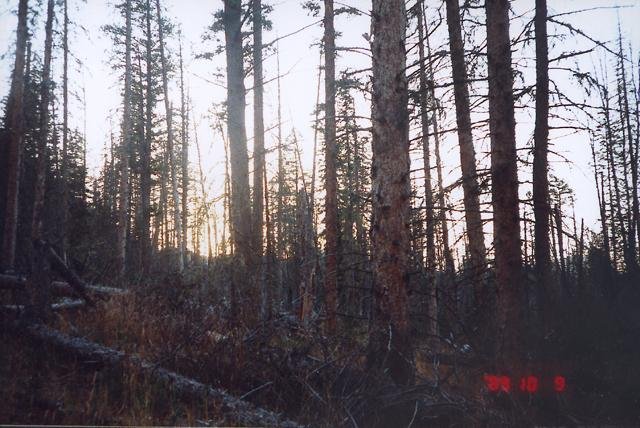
point(177, 223)
point(240, 200)
point(470, 188)
point(559, 232)
point(432, 298)
point(123, 208)
point(12, 146)
point(442, 214)
point(635, 208)
point(184, 121)
point(541, 203)
point(45, 93)
point(258, 129)
point(145, 153)
point(504, 174)
point(331, 181)
point(280, 202)
point(316, 126)
point(205, 197)
point(65, 131)
point(389, 338)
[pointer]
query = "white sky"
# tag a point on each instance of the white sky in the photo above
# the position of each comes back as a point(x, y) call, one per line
point(299, 61)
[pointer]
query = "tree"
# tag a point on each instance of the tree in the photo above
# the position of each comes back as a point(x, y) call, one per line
point(12, 144)
point(45, 93)
point(331, 181)
point(177, 220)
point(470, 187)
point(123, 205)
point(65, 129)
point(184, 134)
point(258, 129)
point(432, 301)
point(240, 201)
point(504, 180)
point(541, 203)
point(145, 152)
point(389, 338)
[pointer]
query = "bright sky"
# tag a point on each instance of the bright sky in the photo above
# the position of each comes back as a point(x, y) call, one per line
point(299, 61)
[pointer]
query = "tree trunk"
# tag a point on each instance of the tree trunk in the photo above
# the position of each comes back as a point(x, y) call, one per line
point(184, 121)
point(504, 174)
point(12, 146)
point(145, 153)
point(123, 208)
point(541, 203)
point(389, 338)
point(331, 181)
point(65, 132)
point(177, 223)
point(635, 208)
point(240, 200)
point(45, 93)
point(470, 188)
point(432, 297)
point(258, 129)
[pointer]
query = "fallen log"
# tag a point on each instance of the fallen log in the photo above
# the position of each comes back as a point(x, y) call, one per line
point(74, 280)
point(239, 410)
point(60, 288)
point(55, 307)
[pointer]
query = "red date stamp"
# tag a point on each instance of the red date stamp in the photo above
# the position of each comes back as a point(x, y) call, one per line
point(530, 384)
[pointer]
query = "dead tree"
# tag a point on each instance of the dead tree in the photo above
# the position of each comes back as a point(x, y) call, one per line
point(177, 220)
point(12, 146)
point(331, 181)
point(389, 339)
point(504, 181)
point(470, 188)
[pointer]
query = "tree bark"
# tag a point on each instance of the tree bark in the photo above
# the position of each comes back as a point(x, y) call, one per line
point(184, 134)
point(470, 188)
point(65, 131)
point(506, 220)
point(240, 200)
point(541, 203)
point(12, 146)
point(45, 93)
point(258, 129)
point(331, 181)
point(389, 337)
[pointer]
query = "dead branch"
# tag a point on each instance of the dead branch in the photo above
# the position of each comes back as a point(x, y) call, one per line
point(241, 411)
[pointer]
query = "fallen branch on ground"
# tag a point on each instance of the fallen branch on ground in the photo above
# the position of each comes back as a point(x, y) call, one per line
point(60, 288)
point(239, 410)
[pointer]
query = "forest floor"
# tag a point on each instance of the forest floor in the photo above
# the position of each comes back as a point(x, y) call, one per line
point(289, 369)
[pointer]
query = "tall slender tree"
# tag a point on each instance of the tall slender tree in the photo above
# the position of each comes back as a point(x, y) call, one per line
point(184, 135)
point(145, 152)
point(177, 220)
point(12, 144)
point(430, 265)
point(389, 338)
point(504, 177)
point(45, 94)
point(258, 129)
point(470, 188)
point(541, 202)
point(240, 200)
point(65, 128)
point(331, 180)
point(123, 205)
